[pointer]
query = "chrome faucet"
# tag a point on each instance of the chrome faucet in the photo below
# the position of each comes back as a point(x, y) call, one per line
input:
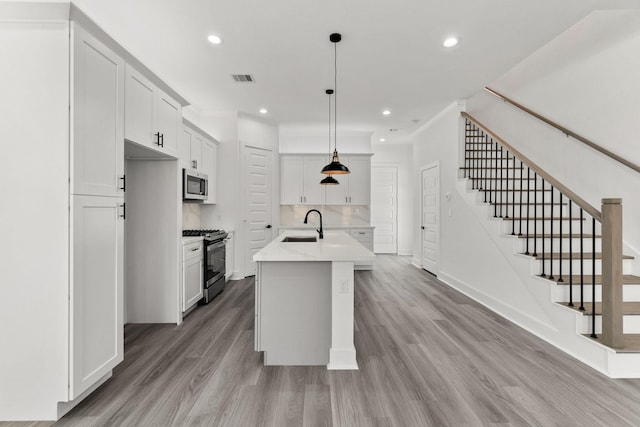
point(320, 215)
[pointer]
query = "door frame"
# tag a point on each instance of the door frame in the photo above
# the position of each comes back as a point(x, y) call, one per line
point(396, 166)
point(435, 164)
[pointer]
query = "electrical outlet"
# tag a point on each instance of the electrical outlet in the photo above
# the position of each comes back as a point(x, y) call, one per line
point(344, 287)
point(356, 211)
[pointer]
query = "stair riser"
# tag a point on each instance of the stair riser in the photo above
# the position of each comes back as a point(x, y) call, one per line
point(561, 293)
point(520, 245)
point(630, 324)
point(536, 268)
point(507, 226)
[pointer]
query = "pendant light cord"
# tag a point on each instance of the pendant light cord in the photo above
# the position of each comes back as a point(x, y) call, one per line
point(328, 93)
point(335, 96)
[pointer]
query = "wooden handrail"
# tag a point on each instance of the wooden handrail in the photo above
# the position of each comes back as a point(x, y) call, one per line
point(595, 213)
point(565, 130)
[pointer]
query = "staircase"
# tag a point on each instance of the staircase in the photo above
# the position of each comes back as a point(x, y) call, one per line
point(572, 248)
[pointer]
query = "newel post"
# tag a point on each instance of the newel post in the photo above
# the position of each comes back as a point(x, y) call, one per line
point(612, 273)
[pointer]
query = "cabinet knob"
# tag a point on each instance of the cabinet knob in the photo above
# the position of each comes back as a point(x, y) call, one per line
point(422, 227)
point(268, 226)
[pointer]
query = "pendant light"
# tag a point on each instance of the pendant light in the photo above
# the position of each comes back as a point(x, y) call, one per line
point(335, 167)
point(329, 180)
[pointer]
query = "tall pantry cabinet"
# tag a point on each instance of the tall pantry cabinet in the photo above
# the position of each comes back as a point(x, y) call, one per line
point(62, 221)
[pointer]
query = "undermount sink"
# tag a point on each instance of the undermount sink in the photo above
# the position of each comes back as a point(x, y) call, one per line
point(298, 239)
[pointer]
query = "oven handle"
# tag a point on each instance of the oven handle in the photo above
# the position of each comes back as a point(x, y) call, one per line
point(215, 245)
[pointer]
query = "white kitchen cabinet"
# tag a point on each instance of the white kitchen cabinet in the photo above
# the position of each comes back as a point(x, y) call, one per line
point(152, 118)
point(96, 292)
point(228, 268)
point(192, 274)
point(300, 180)
point(363, 236)
point(98, 118)
point(199, 151)
point(354, 188)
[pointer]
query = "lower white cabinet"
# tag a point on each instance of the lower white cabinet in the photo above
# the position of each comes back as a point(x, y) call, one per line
point(192, 274)
point(97, 329)
point(364, 236)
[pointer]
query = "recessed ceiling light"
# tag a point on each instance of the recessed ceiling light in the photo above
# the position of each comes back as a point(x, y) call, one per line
point(214, 39)
point(263, 111)
point(386, 112)
point(382, 140)
point(450, 42)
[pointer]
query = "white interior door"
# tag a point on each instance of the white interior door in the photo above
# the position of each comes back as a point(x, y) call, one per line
point(384, 208)
point(430, 215)
point(258, 230)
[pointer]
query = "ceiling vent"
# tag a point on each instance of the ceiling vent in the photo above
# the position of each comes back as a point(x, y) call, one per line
point(243, 78)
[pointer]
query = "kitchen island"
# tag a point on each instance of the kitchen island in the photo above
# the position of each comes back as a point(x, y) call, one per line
point(304, 299)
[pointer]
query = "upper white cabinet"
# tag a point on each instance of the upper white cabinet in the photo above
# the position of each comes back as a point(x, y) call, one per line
point(300, 180)
point(199, 151)
point(354, 188)
point(152, 118)
point(98, 118)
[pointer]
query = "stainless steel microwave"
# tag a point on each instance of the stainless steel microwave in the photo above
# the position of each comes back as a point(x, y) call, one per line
point(194, 185)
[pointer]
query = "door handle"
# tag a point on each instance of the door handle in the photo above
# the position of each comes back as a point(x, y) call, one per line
point(422, 227)
point(268, 226)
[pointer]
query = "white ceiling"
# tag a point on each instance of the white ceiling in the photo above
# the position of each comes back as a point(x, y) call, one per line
point(391, 55)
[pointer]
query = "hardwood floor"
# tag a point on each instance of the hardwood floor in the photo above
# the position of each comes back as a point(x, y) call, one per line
point(428, 356)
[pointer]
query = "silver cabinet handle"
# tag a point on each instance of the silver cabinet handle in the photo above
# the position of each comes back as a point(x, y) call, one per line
point(195, 249)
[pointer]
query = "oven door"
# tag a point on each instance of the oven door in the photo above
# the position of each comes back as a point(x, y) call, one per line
point(215, 263)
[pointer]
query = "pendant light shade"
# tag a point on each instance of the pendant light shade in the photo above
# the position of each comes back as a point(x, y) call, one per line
point(335, 167)
point(329, 180)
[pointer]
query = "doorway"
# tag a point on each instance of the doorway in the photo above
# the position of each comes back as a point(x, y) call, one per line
point(258, 200)
point(384, 208)
point(430, 216)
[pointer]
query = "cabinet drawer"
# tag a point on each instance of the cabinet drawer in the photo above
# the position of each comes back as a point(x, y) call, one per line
point(191, 250)
point(362, 235)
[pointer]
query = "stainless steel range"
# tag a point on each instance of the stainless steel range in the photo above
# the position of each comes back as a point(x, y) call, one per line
point(214, 261)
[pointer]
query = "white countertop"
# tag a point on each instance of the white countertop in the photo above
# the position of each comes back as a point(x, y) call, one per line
point(336, 246)
point(190, 239)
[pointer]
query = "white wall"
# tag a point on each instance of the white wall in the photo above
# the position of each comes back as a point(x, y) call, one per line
point(235, 131)
point(400, 155)
point(34, 215)
point(317, 141)
point(586, 80)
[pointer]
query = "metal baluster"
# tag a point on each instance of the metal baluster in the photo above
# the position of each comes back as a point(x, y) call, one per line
point(570, 254)
point(521, 191)
point(528, 199)
point(501, 183)
point(593, 279)
point(542, 217)
point(551, 240)
point(535, 213)
point(484, 169)
point(475, 160)
point(581, 263)
point(466, 148)
point(560, 279)
point(495, 200)
point(513, 198)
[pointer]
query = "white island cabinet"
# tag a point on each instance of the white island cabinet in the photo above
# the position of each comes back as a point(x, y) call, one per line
point(304, 299)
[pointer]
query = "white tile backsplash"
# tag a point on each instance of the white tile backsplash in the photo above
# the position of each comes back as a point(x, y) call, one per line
point(191, 216)
point(331, 215)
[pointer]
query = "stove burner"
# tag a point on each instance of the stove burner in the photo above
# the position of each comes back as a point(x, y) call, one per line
point(189, 233)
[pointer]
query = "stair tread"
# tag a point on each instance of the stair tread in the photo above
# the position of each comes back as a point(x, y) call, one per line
point(628, 307)
point(631, 343)
point(485, 168)
point(524, 204)
point(540, 218)
point(555, 236)
point(575, 256)
point(517, 189)
point(627, 279)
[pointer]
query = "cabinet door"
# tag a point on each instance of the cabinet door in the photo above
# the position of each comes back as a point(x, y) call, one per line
point(229, 257)
point(196, 153)
point(338, 194)
point(169, 122)
point(96, 298)
point(209, 166)
point(291, 185)
point(359, 180)
point(139, 110)
point(97, 163)
point(184, 148)
point(192, 278)
point(313, 190)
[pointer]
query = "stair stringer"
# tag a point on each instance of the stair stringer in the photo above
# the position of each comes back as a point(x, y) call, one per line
point(559, 326)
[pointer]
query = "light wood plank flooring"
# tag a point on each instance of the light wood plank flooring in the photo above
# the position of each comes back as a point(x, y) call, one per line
point(428, 356)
